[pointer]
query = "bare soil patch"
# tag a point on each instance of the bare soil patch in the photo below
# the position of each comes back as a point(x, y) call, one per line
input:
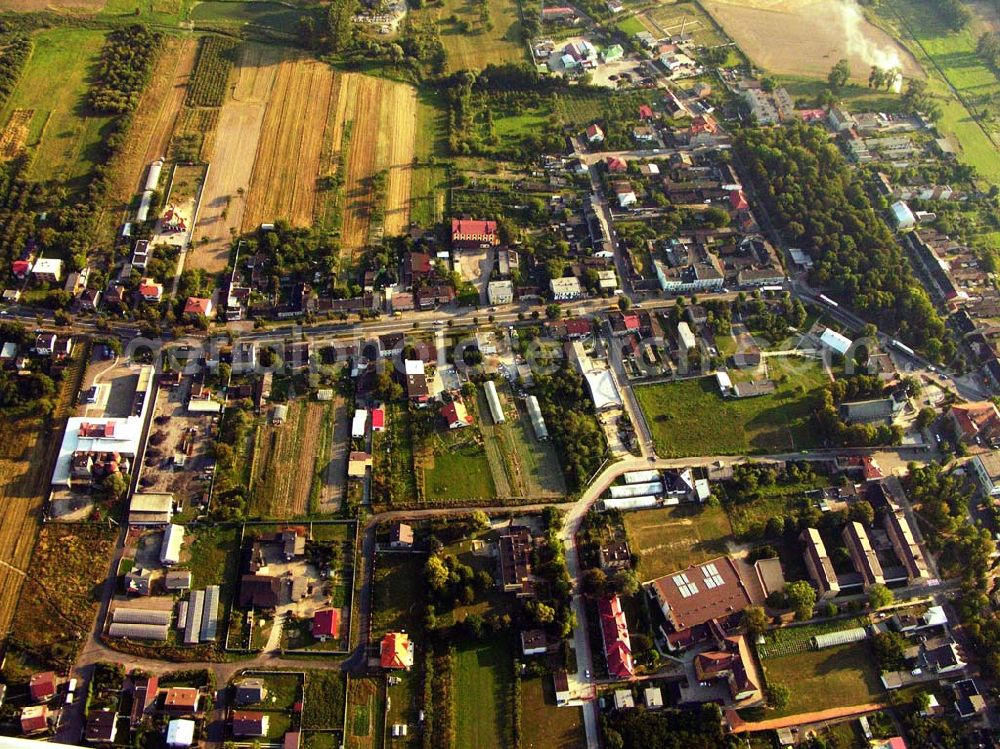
point(806, 37)
point(15, 135)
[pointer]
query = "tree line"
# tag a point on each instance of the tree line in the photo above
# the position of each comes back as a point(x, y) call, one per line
point(820, 205)
point(125, 66)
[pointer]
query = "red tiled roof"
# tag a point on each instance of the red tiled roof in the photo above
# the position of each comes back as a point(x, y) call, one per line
point(42, 686)
point(396, 650)
point(577, 326)
point(645, 112)
point(378, 418)
point(455, 411)
point(976, 418)
point(617, 643)
point(326, 623)
point(472, 226)
point(197, 306)
point(738, 201)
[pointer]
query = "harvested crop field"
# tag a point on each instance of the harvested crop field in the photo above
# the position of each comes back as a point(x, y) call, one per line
point(288, 155)
point(237, 136)
point(158, 111)
point(384, 114)
point(284, 462)
point(35, 6)
point(807, 37)
point(15, 135)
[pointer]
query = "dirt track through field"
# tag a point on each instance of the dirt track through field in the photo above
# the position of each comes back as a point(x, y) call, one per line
point(288, 155)
point(172, 100)
point(231, 169)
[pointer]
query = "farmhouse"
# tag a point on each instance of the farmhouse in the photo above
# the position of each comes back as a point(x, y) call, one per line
point(198, 307)
point(416, 381)
point(396, 651)
point(615, 636)
point(473, 234)
point(181, 700)
point(401, 536)
point(42, 686)
point(249, 723)
point(731, 662)
point(595, 134)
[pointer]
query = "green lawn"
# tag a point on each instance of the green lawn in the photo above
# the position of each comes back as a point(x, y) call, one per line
point(676, 414)
point(67, 142)
point(749, 517)
point(398, 603)
point(149, 11)
point(822, 679)
point(521, 124)
point(261, 13)
point(428, 188)
point(538, 459)
point(215, 554)
point(459, 468)
point(482, 688)
point(672, 538)
point(545, 726)
point(471, 44)
point(631, 26)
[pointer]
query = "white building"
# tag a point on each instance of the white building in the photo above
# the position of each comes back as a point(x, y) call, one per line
point(686, 337)
point(565, 288)
point(903, 216)
point(180, 734)
point(86, 435)
point(606, 279)
point(500, 292)
point(170, 549)
point(836, 342)
point(537, 422)
point(493, 400)
point(603, 389)
point(987, 470)
point(48, 269)
point(358, 424)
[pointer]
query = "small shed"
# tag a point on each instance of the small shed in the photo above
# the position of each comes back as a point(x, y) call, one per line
point(279, 414)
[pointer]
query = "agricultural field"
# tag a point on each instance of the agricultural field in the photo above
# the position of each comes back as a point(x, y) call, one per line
point(67, 567)
point(259, 13)
point(822, 679)
point(237, 137)
point(672, 538)
point(483, 676)
point(283, 185)
point(769, 423)
point(383, 117)
point(365, 711)
point(951, 61)
point(156, 116)
point(543, 725)
point(521, 466)
point(66, 141)
point(285, 462)
point(806, 37)
point(429, 182)
point(67, 6)
point(209, 86)
point(471, 44)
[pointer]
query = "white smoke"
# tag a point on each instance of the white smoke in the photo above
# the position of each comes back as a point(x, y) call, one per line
point(861, 45)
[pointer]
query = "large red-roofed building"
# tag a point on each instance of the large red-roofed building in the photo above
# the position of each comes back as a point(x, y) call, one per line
point(473, 234)
point(614, 632)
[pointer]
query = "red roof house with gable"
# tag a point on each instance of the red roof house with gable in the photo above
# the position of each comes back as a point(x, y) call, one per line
point(645, 112)
point(326, 624)
point(614, 633)
point(42, 686)
point(738, 201)
point(197, 306)
point(396, 651)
